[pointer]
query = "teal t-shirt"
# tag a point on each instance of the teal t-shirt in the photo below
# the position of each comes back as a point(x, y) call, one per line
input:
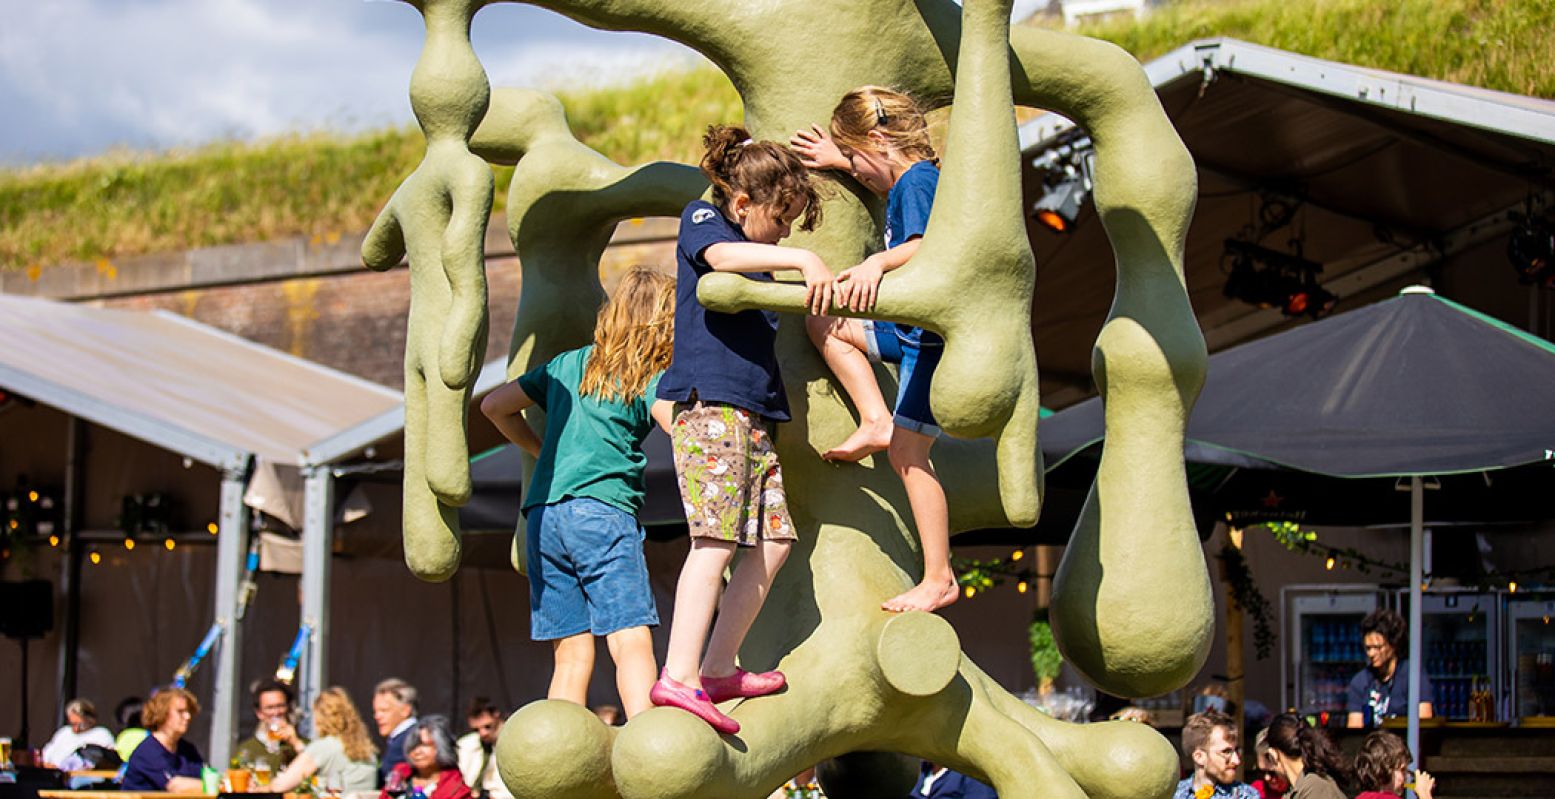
point(590, 448)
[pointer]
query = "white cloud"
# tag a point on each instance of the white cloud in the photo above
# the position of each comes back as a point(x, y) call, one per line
point(79, 76)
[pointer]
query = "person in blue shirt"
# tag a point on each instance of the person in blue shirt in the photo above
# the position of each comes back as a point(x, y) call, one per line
point(164, 761)
point(1211, 743)
point(727, 395)
point(937, 782)
point(1381, 690)
point(879, 136)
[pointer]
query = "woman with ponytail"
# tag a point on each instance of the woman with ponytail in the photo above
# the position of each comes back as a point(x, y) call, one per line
point(1308, 759)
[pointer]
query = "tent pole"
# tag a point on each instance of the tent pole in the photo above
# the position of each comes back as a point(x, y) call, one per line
point(231, 552)
point(318, 523)
point(1416, 577)
point(75, 553)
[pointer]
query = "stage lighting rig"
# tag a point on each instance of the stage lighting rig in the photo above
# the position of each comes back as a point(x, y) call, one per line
point(1067, 182)
point(1269, 278)
point(1531, 249)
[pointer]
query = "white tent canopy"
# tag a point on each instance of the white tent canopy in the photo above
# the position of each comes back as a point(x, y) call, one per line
point(195, 391)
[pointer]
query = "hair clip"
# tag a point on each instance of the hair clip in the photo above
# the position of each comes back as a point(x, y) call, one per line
point(745, 143)
point(880, 115)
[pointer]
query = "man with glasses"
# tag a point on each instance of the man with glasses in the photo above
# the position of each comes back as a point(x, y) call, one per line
point(275, 742)
point(1210, 740)
point(1382, 688)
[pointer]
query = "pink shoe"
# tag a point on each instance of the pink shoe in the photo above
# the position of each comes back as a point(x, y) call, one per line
point(668, 693)
point(743, 685)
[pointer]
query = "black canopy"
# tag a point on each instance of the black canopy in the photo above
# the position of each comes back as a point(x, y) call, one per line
point(1415, 385)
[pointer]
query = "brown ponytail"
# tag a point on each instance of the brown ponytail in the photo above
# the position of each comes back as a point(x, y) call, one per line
point(769, 173)
point(1294, 738)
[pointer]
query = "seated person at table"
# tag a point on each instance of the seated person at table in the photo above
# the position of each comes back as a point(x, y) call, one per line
point(131, 730)
point(165, 761)
point(275, 741)
point(431, 767)
point(1382, 688)
point(342, 755)
point(81, 728)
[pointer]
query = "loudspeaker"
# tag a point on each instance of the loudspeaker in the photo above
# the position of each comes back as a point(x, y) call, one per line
point(26, 608)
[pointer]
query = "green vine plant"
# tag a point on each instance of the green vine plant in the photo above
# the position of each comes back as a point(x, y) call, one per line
point(1245, 593)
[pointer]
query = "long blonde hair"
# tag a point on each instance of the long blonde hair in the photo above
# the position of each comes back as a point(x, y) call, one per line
point(333, 714)
point(633, 337)
point(898, 118)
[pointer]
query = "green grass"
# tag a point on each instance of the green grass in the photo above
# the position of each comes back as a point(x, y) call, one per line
point(1496, 44)
point(325, 186)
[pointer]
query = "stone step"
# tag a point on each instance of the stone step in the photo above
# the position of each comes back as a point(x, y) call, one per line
point(1444, 764)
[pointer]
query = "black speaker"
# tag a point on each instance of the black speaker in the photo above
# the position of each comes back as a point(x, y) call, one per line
point(26, 608)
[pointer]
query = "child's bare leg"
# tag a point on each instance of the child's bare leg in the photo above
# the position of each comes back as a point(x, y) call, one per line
point(632, 651)
point(843, 345)
point(747, 591)
point(696, 596)
point(574, 667)
point(909, 453)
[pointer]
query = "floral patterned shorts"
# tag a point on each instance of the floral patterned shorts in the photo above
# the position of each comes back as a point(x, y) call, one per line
point(729, 477)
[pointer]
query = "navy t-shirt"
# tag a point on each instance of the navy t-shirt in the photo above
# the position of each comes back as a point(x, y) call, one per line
point(1384, 699)
point(907, 209)
point(151, 765)
point(721, 357)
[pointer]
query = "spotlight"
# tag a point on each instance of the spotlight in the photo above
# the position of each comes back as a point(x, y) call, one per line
point(1531, 249)
point(1271, 279)
point(1066, 183)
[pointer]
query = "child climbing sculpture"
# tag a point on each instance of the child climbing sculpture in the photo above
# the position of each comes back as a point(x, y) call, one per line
point(1132, 604)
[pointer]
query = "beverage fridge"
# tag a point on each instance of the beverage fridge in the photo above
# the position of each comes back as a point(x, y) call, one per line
point(1531, 640)
point(1460, 646)
point(1323, 624)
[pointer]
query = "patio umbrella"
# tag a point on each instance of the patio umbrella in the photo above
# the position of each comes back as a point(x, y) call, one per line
point(1412, 387)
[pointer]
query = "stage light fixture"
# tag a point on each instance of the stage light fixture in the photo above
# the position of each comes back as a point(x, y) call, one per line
point(1066, 183)
point(1269, 278)
point(1531, 249)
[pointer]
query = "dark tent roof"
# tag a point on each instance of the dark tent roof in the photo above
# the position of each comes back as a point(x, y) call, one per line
point(1414, 385)
point(1393, 178)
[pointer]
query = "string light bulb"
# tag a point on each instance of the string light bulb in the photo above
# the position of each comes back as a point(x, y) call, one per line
point(212, 528)
point(1329, 564)
point(1018, 554)
point(970, 592)
point(1021, 586)
point(1512, 586)
point(53, 540)
point(170, 544)
point(129, 544)
point(96, 557)
point(32, 496)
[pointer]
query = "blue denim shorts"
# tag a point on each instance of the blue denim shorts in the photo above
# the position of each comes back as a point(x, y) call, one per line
point(587, 572)
point(917, 359)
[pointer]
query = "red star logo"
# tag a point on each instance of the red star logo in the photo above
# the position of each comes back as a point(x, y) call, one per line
point(1273, 500)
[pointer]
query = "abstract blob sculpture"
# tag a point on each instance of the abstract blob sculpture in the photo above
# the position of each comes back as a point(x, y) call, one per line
point(1131, 603)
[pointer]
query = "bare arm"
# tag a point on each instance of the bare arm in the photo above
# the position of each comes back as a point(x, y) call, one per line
point(301, 768)
point(1354, 721)
point(663, 412)
point(859, 286)
point(748, 256)
point(184, 785)
point(503, 407)
point(1426, 711)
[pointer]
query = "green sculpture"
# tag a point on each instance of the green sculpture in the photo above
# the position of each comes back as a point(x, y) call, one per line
point(1132, 603)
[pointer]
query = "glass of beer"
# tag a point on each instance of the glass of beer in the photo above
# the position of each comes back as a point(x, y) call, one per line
point(5, 753)
point(262, 773)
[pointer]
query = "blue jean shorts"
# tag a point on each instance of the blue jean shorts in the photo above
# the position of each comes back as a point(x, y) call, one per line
point(917, 353)
point(587, 572)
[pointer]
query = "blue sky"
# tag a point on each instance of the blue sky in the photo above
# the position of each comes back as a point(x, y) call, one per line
point(78, 77)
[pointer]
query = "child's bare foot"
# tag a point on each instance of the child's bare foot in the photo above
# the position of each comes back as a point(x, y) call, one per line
point(865, 441)
point(927, 596)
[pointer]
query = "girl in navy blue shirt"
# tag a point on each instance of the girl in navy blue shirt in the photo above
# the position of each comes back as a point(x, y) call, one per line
point(727, 394)
point(880, 138)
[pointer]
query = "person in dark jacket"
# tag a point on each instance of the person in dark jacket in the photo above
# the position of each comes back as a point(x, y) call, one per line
point(937, 782)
